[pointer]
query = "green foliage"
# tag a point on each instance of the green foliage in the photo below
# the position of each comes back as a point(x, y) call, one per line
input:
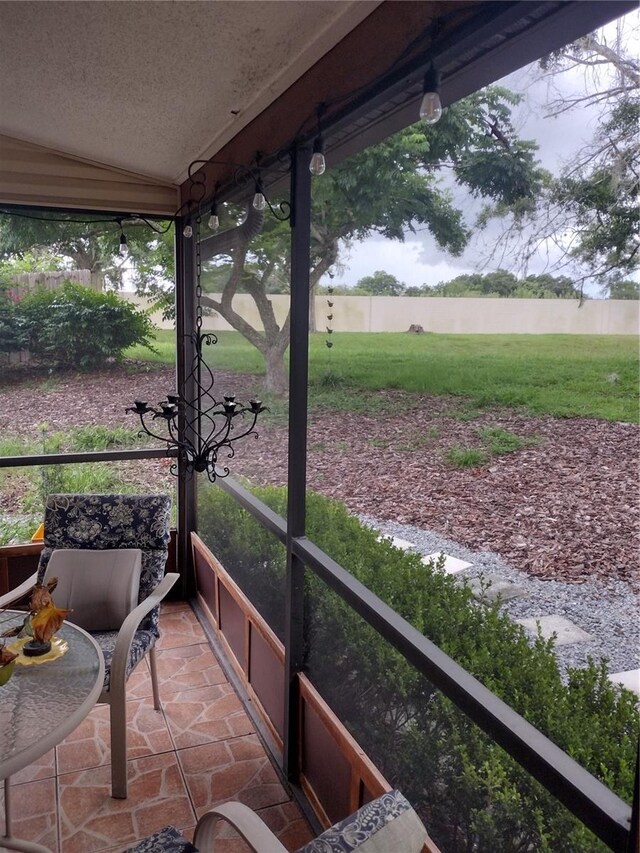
point(12, 335)
point(465, 457)
point(622, 288)
point(14, 532)
point(100, 437)
point(505, 284)
point(500, 440)
point(13, 445)
point(380, 283)
point(470, 794)
point(590, 210)
point(77, 327)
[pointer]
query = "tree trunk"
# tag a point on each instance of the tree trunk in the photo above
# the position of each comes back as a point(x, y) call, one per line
point(313, 326)
point(276, 380)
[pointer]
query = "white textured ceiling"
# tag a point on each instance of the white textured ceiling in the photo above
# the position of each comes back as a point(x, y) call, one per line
point(149, 86)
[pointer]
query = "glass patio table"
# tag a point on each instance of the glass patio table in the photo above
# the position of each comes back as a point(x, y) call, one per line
point(41, 704)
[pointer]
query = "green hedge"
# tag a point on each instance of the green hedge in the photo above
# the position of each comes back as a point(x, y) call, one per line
point(471, 794)
point(73, 326)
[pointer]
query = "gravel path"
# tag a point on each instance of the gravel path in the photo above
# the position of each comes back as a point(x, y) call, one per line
point(607, 611)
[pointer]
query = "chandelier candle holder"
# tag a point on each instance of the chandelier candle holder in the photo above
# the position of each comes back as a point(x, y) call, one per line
point(209, 426)
point(209, 430)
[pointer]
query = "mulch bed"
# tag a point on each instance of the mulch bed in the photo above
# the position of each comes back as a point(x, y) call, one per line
point(565, 508)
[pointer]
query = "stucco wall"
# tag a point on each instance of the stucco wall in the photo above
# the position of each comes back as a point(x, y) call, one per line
point(443, 314)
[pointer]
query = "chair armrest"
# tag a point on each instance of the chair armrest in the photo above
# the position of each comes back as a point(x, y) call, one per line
point(15, 594)
point(245, 821)
point(130, 626)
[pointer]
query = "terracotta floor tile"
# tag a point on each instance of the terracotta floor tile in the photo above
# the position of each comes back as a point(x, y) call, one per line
point(284, 820)
point(204, 715)
point(180, 628)
point(172, 606)
point(88, 746)
point(90, 819)
point(235, 769)
point(219, 756)
point(187, 667)
point(43, 768)
point(139, 682)
point(34, 813)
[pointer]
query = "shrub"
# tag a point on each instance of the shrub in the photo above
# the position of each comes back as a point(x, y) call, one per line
point(13, 337)
point(76, 327)
point(471, 794)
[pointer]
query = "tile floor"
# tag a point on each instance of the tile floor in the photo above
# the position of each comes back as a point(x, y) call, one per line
point(201, 750)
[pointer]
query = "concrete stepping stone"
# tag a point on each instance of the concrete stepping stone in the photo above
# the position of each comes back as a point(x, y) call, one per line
point(567, 632)
point(397, 542)
point(493, 587)
point(452, 565)
point(630, 679)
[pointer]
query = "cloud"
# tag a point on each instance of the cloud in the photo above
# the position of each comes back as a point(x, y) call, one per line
point(411, 262)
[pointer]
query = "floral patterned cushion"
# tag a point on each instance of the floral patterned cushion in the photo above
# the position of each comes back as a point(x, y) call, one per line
point(167, 840)
point(112, 521)
point(142, 642)
point(386, 824)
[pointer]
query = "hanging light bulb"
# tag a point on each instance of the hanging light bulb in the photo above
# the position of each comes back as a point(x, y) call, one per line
point(123, 249)
point(431, 107)
point(259, 201)
point(318, 164)
point(187, 232)
point(214, 220)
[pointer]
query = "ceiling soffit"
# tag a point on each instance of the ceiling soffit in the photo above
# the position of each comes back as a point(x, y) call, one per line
point(149, 86)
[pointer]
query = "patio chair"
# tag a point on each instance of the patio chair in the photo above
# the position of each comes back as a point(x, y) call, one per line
point(118, 546)
point(385, 825)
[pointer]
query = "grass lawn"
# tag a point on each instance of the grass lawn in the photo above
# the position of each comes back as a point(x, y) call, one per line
point(563, 375)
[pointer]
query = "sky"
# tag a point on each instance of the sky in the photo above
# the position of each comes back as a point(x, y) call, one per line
point(418, 260)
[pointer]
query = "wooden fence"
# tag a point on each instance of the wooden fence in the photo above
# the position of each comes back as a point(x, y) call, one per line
point(25, 282)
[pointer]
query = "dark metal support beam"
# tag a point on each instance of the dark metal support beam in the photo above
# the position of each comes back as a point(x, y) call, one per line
point(296, 481)
point(71, 458)
point(185, 321)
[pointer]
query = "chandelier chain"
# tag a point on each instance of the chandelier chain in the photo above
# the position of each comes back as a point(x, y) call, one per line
point(198, 275)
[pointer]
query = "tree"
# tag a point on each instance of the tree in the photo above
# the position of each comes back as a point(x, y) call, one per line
point(503, 283)
point(379, 284)
point(389, 189)
point(59, 241)
point(622, 288)
point(589, 212)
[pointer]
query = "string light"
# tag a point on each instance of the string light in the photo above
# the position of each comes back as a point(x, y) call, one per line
point(214, 220)
point(259, 200)
point(431, 106)
point(318, 164)
point(187, 232)
point(123, 248)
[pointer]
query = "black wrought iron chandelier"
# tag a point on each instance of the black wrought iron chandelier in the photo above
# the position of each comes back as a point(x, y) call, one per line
point(209, 426)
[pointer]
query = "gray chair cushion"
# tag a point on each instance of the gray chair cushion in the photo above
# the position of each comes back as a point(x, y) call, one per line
point(100, 587)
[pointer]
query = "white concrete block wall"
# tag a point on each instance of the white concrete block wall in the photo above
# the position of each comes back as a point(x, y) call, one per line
point(448, 315)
